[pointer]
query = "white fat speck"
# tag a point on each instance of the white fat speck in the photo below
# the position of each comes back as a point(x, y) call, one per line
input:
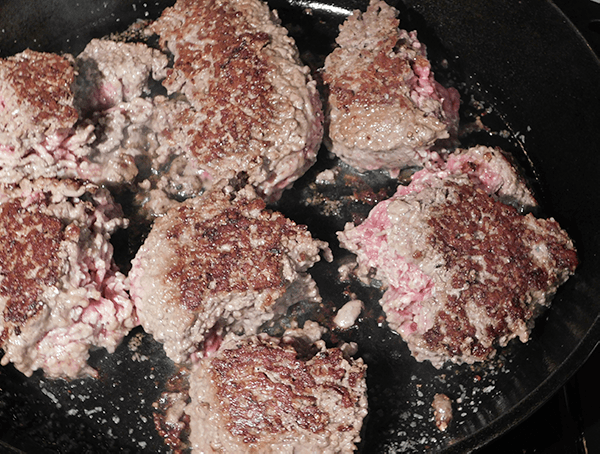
point(139, 358)
point(405, 415)
point(72, 412)
point(52, 397)
point(488, 389)
point(83, 397)
point(92, 411)
point(142, 444)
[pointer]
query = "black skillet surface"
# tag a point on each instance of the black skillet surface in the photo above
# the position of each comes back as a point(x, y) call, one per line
point(526, 72)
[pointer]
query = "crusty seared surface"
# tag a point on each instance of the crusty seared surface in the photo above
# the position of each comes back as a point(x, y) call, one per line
point(36, 97)
point(259, 395)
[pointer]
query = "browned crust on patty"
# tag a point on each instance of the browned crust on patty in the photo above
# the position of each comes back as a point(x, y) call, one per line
point(43, 81)
point(237, 250)
point(245, 375)
point(472, 225)
point(29, 246)
point(238, 86)
point(379, 78)
point(238, 385)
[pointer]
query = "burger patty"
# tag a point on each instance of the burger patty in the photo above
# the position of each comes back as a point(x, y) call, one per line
point(261, 394)
point(385, 110)
point(219, 262)
point(84, 117)
point(60, 291)
point(38, 133)
point(464, 272)
point(246, 103)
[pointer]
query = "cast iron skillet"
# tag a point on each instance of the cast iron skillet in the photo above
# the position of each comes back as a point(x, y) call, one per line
point(519, 65)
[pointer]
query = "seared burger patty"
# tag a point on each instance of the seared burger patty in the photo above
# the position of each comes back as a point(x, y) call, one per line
point(250, 105)
point(38, 133)
point(385, 109)
point(219, 262)
point(60, 292)
point(465, 273)
point(260, 395)
point(85, 118)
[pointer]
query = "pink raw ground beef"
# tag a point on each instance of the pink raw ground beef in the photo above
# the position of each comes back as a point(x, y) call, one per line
point(60, 292)
point(219, 262)
point(385, 109)
point(464, 272)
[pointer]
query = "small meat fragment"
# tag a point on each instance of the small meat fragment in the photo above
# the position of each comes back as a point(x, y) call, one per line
point(385, 109)
point(246, 102)
point(347, 314)
point(219, 262)
point(464, 272)
point(260, 395)
point(60, 291)
point(442, 411)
